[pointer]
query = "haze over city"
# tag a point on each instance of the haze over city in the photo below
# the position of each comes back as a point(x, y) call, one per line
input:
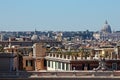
point(59, 39)
point(58, 15)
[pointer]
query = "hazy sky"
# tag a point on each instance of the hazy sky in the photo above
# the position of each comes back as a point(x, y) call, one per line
point(58, 15)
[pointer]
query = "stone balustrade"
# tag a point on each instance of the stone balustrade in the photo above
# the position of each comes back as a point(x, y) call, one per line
point(24, 74)
point(62, 56)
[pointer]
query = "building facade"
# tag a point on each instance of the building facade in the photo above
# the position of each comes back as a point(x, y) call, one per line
point(8, 62)
point(65, 62)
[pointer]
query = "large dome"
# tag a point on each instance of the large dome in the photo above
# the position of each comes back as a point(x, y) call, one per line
point(35, 37)
point(106, 28)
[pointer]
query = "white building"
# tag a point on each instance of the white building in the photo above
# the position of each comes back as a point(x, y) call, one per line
point(58, 62)
point(1, 37)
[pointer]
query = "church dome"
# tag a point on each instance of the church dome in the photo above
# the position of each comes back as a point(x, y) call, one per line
point(35, 37)
point(106, 28)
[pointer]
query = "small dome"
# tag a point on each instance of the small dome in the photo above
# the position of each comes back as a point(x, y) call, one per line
point(35, 37)
point(106, 28)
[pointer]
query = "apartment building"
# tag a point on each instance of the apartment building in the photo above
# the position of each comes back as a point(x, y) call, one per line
point(79, 61)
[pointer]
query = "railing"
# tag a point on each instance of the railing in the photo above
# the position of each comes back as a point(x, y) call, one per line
point(74, 73)
point(30, 74)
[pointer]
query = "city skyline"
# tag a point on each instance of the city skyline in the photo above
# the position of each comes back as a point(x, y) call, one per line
point(60, 15)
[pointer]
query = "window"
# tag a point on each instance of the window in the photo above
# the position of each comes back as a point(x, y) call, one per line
point(67, 67)
point(26, 62)
point(59, 65)
point(48, 63)
point(114, 66)
point(29, 63)
point(63, 66)
point(55, 65)
point(45, 62)
point(52, 64)
point(53, 55)
point(57, 55)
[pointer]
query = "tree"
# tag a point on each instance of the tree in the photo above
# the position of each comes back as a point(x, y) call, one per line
point(1, 49)
point(86, 53)
point(81, 52)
